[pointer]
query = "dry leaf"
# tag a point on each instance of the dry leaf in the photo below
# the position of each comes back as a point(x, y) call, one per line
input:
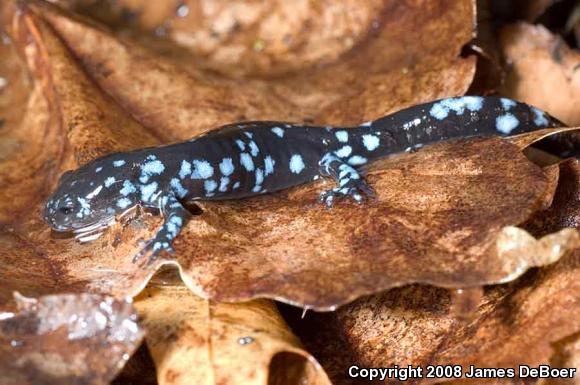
point(247, 38)
point(194, 341)
point(66, 339)
point(446, 215)
point(359, 87)
point(297, 241)
point(532, 320)
point(514, 324)
point(567, 356)
point(541, 63)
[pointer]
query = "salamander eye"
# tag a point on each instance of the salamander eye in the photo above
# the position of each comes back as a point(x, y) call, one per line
point(65, 210)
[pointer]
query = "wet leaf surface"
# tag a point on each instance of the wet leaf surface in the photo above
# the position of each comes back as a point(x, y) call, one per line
point(208, 343)
point(66, 339)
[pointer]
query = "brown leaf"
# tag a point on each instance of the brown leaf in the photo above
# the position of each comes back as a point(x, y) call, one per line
point(354, 257)
point(194, 341)
point(248, 39)
point(439, 204)
point(541, 63)
point(66, 339)
point(526, 140)
point(567, 356)
point(518, 323)
point(445, 215)
point(514, 324)
point(361, 86)
point(321, 262)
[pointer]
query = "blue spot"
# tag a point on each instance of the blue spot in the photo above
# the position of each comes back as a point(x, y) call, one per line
point(178, 188)
point(227, 166)
point(441, 109)
point(357, 160)
point(84, 204)
point(176, 220)
point(109, 181)
point(118, 163)
point(240, 144)
point(224, 181)
point(185, 169)
point(210, 185)
point(269, 164)
point(128, 188)
point(257, 188)
point(342, 136)
point(147, 191)
point(473, 103)
point(249, 134)
point(540, 120)
point(98, 169)
point(236, 185)
point(254, 150)
point(246, 161)
point(278, 131)
point(85, 208)
point(124, 203)
point(438, 111)
point(259, 176)
point(201, 170)
point(370, 142)
point(506, 123)
point(344, 151)
point(171, 229)
point(507, 103)
point(296, 164)
point(154, 167)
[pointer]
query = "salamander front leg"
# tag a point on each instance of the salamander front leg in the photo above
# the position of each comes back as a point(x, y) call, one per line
point(350, 182)
point(175, 218)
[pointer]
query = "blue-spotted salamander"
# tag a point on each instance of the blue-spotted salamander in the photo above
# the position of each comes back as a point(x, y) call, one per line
point(247, 159)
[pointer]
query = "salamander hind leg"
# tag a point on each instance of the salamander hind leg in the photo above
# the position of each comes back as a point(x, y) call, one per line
point(350, 182)
point(175, 216)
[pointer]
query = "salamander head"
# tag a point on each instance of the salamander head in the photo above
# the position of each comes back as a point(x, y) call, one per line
point(87, 200)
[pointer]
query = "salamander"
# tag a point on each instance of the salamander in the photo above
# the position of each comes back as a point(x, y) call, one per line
point(247, 159)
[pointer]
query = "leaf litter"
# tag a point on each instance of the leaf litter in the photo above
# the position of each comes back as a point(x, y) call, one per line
point(437, 219)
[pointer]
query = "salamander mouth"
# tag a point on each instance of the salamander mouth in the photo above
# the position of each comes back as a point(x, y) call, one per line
point(92, 232)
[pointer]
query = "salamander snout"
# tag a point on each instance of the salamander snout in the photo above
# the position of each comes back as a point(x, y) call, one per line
point(86, 199)
point(58, 213)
